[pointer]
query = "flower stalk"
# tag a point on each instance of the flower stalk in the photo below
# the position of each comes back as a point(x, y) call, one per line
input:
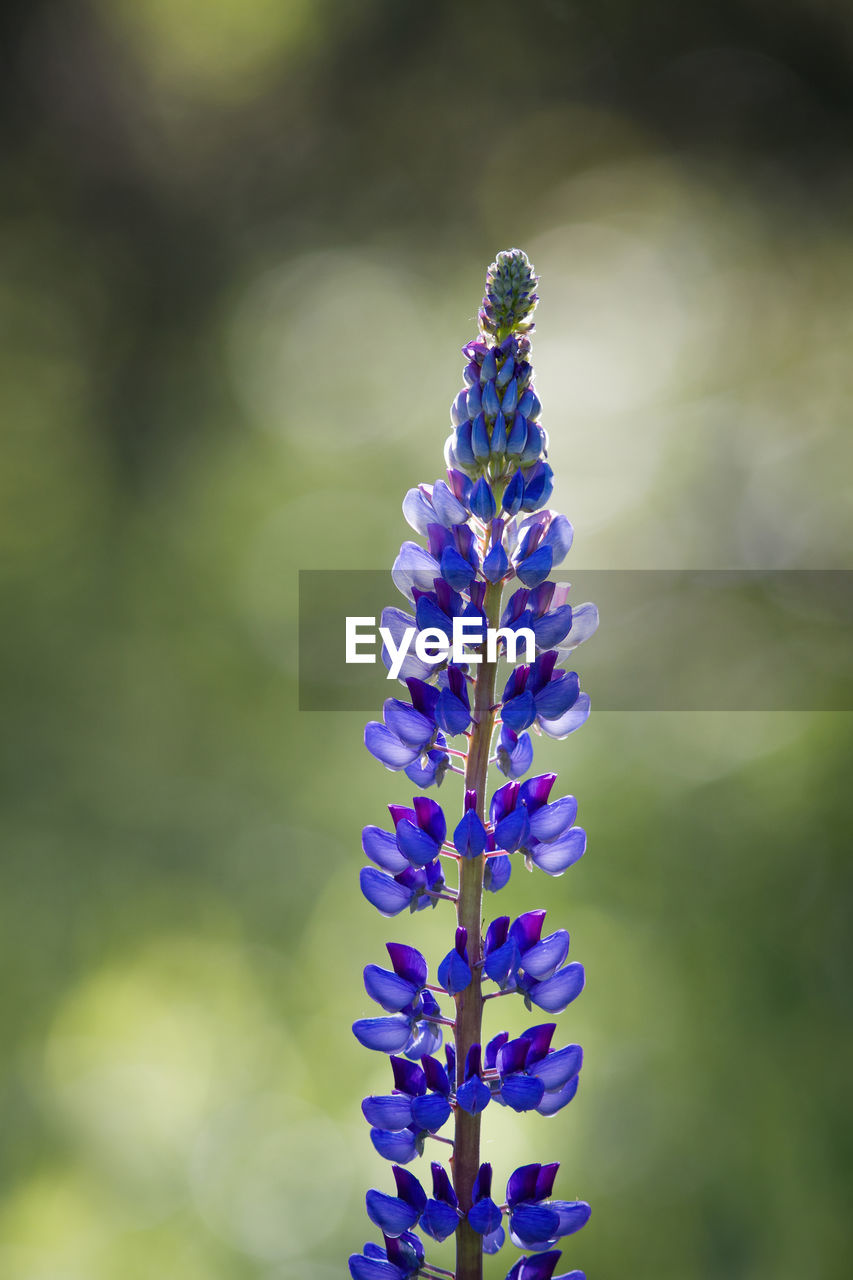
point(469, 914)
point(486, 528)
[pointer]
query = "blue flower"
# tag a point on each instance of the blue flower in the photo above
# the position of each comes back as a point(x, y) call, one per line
point(518, 1090)
point(401, 1258)
point(496, 564)
point(419, 832)
point(529, 405)
point(545, 833)
point(510, 948)
point(514, 492)
point(412, 1027)
point(430, 769)
point(514, 753)
point(517, 959)
point(539, 694)
point(434, 504)
point(454, 972)
point(454, 551)
point(534, 1220)
point(440, 1218)
point(584, 625)
point(470, 838)
point(544, 541)
point(452, 707)
point(396, 1214)
point(539, 480)
point(486, 523)
point(473, 1095)
point(534, 1077)
point(493, 416)
point(541, 1267)
point(419, 1105)
point(438, 607)
point(417, 840)
point(413, 569)
point(450, 556)
point(413, 887)
point(399, 988)
point(543, 610)
point(483, 504)
point(497, 872)
point(398, 623)
point(484, 1215)
point(408, 738)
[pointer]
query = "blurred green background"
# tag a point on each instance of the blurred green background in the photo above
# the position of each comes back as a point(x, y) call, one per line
point(242, 243)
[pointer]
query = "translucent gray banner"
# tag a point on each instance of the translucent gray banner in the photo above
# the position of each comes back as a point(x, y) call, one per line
point(699, 640)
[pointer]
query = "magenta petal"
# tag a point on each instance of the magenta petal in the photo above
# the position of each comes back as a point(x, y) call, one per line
point(407, 962)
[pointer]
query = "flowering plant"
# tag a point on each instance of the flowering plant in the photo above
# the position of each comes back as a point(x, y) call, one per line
point(485, 526)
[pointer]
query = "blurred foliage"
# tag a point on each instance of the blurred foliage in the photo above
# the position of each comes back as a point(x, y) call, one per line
point(241, 246)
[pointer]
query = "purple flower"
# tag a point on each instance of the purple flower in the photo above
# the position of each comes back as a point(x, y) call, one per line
point(497, 872)
point(396, 1214)
point(485, 524)
point(402, 625)
point(539, 694)
point(419, 832)
point(518, 959)
point(539, 483)
point(473, 1095)
point(493, 415)
point(543, 610)
point(541, 1267)
point(433, 504)
point(454, 551)
point(584, 625)
point(454, 972)
point(408, 739)
point(483, 504)
point(413, 569)
point(545, 833)
point(534, 1220)
point(419, 1105)
point(470, 837)
point(413, 1027)
point(440, 1218)
point(413, 887)
point(435, 609)
point(484, 1215)
point(398, 988)
point(401, 1258)
point(534, 1077)
point(543, 543)
point(496, 564)
point(515, 752)
point(452, 707)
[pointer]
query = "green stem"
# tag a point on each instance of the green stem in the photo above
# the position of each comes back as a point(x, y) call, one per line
point(469, 913)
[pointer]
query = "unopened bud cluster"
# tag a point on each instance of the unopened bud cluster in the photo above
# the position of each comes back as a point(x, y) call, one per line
point(495, 417)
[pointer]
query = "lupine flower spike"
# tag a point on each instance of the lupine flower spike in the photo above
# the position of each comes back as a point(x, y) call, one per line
point(489, 545)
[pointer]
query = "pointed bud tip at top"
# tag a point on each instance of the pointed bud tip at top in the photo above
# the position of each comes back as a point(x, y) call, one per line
point(510, 297)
